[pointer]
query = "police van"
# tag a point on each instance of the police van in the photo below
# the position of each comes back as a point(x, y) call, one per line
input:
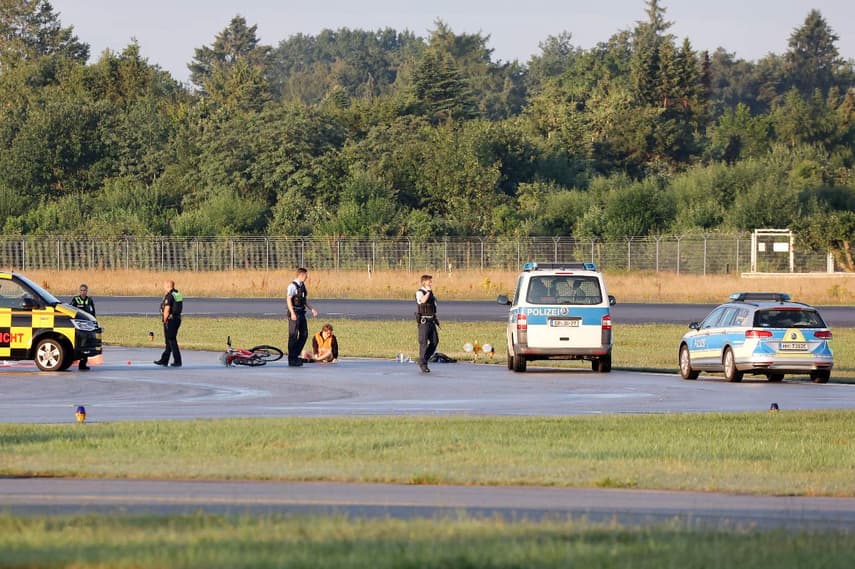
point(35, 325)
point(559, 311)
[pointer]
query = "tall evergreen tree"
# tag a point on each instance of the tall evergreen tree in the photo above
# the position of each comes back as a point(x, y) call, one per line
point(813, 57)
point(212, 66)
point(440, 91)
point(648, 38)
point(30, 29)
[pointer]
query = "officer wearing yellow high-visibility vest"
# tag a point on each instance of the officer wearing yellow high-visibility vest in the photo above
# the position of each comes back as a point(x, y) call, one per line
point(171, 307)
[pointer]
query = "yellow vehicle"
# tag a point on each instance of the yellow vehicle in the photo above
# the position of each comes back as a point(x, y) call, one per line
point(35, 325)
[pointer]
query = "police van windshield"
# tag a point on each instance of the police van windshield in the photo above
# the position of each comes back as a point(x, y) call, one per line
point(48, 297)
point(564, 289)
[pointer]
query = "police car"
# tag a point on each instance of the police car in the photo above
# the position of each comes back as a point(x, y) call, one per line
point(560, 311)
point(761, 333)
point(35, 325)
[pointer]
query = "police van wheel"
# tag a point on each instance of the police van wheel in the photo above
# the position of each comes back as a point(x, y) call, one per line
point(602, 365)
point(50, 355)
point(519, 363)
point(510, 361)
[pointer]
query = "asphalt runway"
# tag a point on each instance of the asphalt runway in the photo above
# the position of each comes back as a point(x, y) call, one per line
point(40, 496)
point(128, 386)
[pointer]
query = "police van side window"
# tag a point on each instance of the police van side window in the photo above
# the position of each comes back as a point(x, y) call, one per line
point(518, 291)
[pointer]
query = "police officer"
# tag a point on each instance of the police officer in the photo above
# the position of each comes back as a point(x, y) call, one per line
point(298, 328)
point(427, 321)
point(84, 302)
point(170, 308)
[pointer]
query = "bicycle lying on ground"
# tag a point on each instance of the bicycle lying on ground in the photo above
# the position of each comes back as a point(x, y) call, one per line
point(257, 356)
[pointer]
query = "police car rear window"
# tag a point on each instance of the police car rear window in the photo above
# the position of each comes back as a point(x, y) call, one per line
point(788, 318)
point(564, 289)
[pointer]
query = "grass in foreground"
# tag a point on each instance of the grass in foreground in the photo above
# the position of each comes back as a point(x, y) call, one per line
point(786, 453)
point(650, 347)
point(274, 541)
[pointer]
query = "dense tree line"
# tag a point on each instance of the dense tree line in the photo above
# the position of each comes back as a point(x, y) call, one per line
point(355, 132)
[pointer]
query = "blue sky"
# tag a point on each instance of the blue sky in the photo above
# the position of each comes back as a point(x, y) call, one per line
point(168, 31)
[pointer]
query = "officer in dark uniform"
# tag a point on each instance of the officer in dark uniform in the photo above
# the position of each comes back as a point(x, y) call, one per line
point(427, 321)
point(171, 307)
point(298, 329)
point(84, 302)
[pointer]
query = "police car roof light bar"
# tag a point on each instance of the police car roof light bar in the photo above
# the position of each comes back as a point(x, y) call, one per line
point(578, 265)
point(775, 296)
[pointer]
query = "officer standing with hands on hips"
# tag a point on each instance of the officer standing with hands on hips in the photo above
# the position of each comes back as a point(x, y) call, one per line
point(84, 302)
point(298, 328)
point(170, 308)
point(427, 321)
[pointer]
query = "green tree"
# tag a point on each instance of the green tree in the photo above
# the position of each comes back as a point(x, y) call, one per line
point(439, 90)
point(233, 69)
point(30, 29)
point(648, 39)
point(813, 58)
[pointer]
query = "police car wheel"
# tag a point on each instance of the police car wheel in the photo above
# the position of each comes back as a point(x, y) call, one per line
point(519, 364)
point(730, 372)
point(686, 371)
point(820, 376)
point(50, 355)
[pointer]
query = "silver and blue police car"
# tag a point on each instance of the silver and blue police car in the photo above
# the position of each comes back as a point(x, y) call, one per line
point(761, 333)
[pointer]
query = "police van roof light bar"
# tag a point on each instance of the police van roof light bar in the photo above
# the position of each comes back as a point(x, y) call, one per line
point(578, 265)
point(775, 296)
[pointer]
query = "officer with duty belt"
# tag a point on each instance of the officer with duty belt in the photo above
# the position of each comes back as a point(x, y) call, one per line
point(84, 302)
point(297, 302)
point(427, 321)
point(170, 308)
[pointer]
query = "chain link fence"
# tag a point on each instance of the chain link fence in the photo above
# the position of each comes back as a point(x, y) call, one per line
point(690, 254)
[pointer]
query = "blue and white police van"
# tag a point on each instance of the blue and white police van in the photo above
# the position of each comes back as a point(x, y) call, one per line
point(559, 311)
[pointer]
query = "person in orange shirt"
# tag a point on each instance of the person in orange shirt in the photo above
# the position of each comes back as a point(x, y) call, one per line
point(324, 347)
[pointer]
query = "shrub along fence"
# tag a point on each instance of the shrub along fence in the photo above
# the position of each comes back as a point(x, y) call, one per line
point(691, 254)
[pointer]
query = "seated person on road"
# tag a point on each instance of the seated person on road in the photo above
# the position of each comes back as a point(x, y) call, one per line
point(324, 347)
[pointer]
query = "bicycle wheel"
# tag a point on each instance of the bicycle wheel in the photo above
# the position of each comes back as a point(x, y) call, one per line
point(267, 353)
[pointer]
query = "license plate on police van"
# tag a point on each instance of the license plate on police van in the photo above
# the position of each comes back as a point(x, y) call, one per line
point(794, 346)
point(556, 323)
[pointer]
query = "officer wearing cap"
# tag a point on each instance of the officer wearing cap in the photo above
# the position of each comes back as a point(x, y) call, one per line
point(170, 308)
point(84, 302)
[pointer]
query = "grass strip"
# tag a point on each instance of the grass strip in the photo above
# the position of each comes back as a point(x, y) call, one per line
point(648, 347)
point(203, 541)
point(786, 453)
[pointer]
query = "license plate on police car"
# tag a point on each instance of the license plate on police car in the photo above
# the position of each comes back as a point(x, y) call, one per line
point(564, 323)
point(794, 346)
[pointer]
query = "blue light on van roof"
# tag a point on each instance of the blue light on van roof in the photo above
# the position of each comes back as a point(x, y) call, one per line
point(534, 266)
